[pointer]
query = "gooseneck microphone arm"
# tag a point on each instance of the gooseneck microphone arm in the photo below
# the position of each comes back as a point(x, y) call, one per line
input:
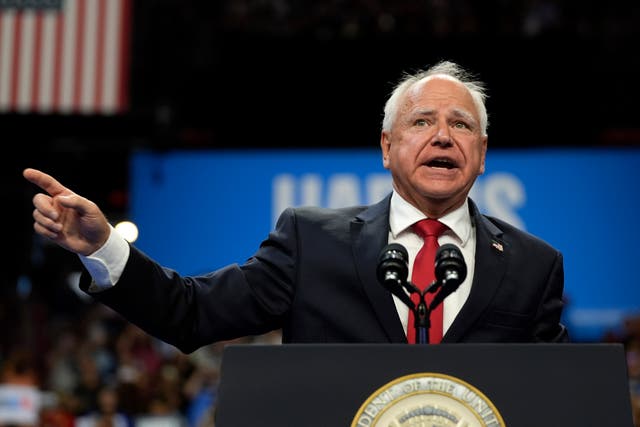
point(393, 270)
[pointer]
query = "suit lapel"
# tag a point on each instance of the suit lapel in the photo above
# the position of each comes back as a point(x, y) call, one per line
point(490, 264)
point(369, 234)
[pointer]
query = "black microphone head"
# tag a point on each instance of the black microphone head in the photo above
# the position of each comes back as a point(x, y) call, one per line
point(393, 270)
point(393, 264)
point(450, 265)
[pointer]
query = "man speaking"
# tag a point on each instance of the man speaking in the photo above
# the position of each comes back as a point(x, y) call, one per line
point(315, 275)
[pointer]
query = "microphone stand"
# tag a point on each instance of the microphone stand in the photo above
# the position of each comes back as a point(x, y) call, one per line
point(450, 271)
point(422, 311)
point(422, 321)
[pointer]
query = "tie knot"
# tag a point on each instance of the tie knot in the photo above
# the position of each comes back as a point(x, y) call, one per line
point(429, 227)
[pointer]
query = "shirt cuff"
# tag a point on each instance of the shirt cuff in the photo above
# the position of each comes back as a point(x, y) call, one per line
point(107, 263)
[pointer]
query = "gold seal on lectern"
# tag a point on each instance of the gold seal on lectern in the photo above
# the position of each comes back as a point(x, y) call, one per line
point(427, 400)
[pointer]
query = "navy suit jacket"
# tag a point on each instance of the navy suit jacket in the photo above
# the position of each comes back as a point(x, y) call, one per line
point(314, 277)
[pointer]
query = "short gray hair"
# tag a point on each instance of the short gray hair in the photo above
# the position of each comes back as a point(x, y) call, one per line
point(476, 88)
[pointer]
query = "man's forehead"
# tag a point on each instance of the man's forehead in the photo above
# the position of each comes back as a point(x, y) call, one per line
point(419, 85)
point(415, 92)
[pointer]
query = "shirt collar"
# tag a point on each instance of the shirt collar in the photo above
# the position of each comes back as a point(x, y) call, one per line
point(403, 215)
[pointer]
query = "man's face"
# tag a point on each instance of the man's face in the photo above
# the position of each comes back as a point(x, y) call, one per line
point(435, 149)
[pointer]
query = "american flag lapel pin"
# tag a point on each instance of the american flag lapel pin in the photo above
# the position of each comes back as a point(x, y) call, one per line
point(498, 246)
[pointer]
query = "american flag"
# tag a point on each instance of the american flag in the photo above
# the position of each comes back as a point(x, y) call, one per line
point(64, 56)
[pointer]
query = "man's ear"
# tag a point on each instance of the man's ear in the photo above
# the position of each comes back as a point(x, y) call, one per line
point(484, 154)
point(385, 146)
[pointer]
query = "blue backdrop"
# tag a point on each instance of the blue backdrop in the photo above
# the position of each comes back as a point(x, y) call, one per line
point(200, 210)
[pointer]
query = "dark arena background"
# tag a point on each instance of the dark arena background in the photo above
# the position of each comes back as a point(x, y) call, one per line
point(270, 74)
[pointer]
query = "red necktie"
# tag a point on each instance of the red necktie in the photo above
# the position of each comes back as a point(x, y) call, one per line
point(424, 274)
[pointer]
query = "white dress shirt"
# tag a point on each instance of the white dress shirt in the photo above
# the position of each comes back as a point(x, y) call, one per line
point(461, 233)
point(107, 263)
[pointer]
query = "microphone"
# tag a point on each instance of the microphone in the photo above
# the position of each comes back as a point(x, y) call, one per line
point(450, 266)
point(393, 270)
point(450, 269)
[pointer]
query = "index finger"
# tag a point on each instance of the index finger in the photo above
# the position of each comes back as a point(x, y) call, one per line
point(44, 181)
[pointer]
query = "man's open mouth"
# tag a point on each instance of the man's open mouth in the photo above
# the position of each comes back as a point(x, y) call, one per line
point(442, 162)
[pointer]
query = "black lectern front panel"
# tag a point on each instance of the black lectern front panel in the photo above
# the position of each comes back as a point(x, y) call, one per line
point(529, 385)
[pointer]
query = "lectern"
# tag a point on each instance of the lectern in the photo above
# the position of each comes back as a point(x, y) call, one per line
point(336, 385)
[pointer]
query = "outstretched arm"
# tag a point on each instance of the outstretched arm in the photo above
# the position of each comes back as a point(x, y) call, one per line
point(73, 222)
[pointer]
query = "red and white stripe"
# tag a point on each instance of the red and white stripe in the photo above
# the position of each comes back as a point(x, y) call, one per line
point(74, 60)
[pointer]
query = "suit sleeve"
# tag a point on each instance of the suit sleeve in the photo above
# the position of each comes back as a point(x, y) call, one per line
point(192, 311)
point(548, 326)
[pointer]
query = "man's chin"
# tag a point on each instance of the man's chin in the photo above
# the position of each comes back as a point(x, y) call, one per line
point(441, 193)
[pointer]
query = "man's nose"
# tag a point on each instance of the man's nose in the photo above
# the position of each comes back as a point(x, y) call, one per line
point(442, 136)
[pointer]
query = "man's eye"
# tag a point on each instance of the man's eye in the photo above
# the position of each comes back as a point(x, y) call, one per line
point(460, 125)
point(420, 122)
